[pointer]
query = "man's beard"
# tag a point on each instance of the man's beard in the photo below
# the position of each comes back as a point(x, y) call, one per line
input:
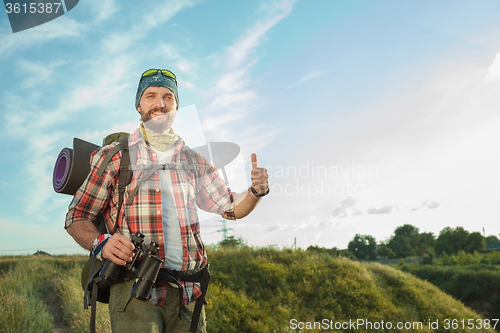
point(159, 124)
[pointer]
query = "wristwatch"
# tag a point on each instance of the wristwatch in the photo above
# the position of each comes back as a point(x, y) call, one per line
point(257, 194)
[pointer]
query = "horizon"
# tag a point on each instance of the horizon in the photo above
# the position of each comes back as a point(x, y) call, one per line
point(389, 109)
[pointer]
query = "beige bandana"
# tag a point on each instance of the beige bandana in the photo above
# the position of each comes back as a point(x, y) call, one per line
point(161, 142)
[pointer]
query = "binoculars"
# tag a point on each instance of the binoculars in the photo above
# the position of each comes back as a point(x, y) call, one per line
point(147, 271)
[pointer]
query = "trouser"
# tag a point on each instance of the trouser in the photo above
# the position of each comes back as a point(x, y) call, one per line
point(130, 315)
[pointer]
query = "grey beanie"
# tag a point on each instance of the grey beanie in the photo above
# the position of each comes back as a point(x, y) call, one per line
point(157, 80)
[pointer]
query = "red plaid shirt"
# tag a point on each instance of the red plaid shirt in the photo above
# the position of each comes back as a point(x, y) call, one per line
point(99, 195)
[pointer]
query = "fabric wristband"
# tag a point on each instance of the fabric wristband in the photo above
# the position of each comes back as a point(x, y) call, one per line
point(98, 244)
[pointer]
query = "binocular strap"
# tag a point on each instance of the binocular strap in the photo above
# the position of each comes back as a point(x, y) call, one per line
point(205, 279)
point(93, 307)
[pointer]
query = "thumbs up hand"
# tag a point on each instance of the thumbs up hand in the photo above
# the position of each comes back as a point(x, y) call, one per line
point(259, 177)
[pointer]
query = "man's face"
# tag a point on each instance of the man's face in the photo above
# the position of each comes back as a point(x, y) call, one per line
point(158, 108)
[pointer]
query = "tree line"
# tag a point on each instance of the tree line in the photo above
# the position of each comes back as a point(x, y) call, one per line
point(408, 241)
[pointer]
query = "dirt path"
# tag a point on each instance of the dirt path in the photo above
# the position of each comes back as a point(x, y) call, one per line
point(52, 303)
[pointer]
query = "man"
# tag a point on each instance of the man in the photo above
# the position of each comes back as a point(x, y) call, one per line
point(161, 205)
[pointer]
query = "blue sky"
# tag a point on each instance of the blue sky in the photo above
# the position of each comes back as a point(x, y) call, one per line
point(368, 114)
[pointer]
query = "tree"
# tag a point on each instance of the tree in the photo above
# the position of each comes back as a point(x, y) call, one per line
point(401, 246)
point(232, 241)
point(425, 244)
point(407, 241)
point(363, 246)
point(475, 242)
point(492, 239)
point(385, 252)
point(452, 241)
point(402, 243)
point(333, 251)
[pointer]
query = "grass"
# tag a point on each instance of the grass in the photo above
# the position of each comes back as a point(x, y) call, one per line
point(23, 285)
point(71, 295)
point(478, 286)
point(252, 290)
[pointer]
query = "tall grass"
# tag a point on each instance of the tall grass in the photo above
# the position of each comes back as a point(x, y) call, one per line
point(71, 295)
point(22, 290)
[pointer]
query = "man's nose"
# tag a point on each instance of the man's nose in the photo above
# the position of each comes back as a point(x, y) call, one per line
point(159, 102)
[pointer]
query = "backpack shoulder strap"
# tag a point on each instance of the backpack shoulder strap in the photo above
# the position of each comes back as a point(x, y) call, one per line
point(125, 175)
point(108, 158)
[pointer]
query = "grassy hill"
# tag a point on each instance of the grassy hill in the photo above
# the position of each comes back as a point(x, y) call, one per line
point(477, 285)
point(252, 290)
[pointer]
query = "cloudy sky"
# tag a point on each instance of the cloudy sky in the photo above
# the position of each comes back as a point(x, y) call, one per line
point(368, 114)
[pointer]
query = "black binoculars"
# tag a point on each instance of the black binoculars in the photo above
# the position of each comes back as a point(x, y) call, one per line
point(147, 272)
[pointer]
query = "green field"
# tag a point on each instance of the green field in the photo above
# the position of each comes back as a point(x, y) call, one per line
point(252, 290)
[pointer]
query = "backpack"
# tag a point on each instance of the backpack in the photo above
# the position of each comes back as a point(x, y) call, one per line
point(96, 289)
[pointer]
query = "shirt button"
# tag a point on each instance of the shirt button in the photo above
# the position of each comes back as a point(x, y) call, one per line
point(154, 154)
point(158, 212)
point(156, 172)
point(157, 190)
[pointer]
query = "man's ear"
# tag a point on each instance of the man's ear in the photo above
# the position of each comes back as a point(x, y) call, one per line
point(138, 110)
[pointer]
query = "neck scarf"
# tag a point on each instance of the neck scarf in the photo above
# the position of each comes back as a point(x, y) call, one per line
point(161, 142)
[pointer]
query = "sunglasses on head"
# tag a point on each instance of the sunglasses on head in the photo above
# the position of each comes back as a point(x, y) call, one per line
point(164, 72)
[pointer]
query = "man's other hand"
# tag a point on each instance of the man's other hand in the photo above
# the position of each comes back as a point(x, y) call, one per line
point(259, 177)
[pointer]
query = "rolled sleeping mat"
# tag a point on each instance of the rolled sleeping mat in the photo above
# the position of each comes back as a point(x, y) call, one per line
point(72, 167)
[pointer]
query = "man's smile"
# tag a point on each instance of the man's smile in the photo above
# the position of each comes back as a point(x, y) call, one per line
point(157, 112)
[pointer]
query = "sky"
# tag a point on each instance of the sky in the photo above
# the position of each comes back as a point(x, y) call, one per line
point(368, 115)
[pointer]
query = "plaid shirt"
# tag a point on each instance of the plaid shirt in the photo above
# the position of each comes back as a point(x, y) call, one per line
point(99, 195)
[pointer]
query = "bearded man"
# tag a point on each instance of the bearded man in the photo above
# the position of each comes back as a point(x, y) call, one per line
point(161, 205)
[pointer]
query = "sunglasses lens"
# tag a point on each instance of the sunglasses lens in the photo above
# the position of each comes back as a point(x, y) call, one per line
point(149, 72)
point(168, 73)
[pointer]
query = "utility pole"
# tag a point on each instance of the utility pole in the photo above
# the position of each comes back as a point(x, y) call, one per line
point(224, 230)
point(294, 246)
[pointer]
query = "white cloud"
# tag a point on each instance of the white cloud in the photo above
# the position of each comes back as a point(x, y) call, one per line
point(347, 207)
point(276, 227)
point(162, 12)
point(38, 73)
point(237, 54)
point(299, 226)
point(494, 69)
point(103, 9)
point(310, 76)
point(387, 209)
point(61, 28)
point(428, 204)
point(184, 65)
point(233, 95)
